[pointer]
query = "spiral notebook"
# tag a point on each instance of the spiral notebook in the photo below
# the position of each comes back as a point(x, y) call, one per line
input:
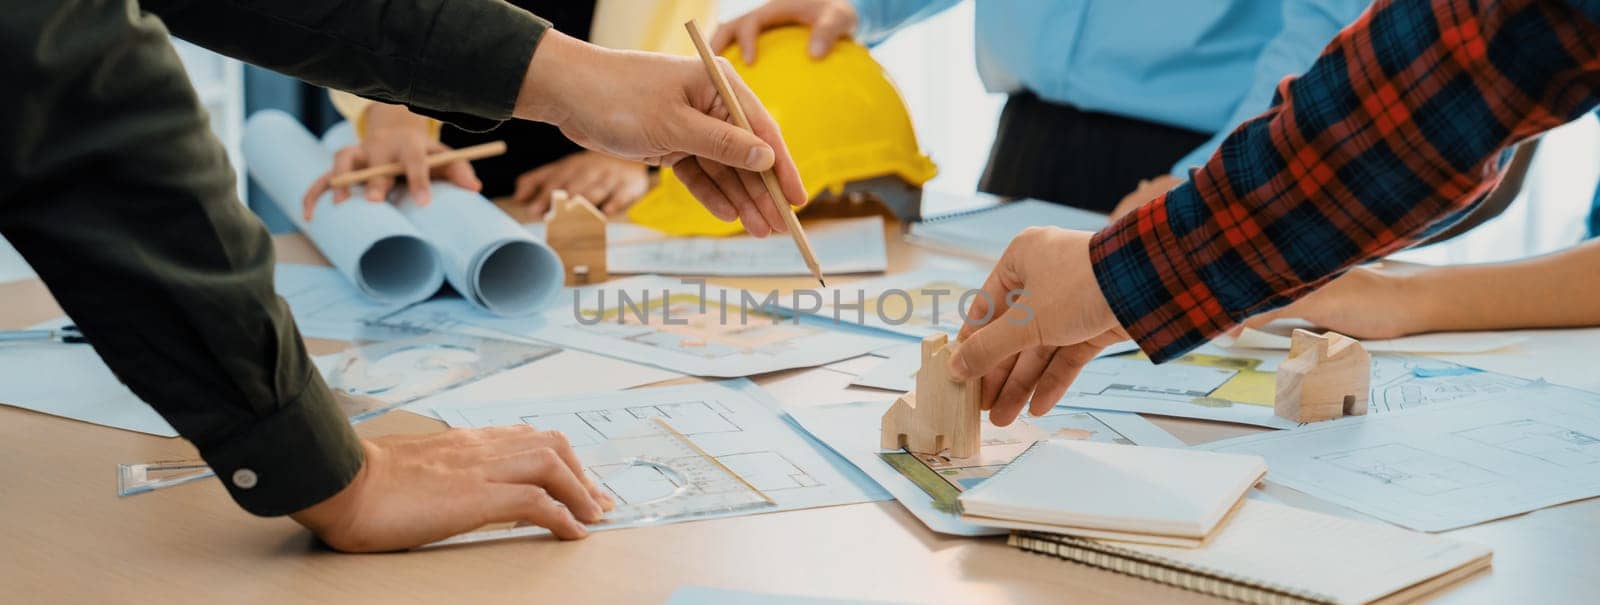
point(1176, 497)
point(988, 230)
point(1270, 553)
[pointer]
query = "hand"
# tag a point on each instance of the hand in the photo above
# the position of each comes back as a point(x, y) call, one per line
point(664, 110)
point(1147, 190)
point(417, 489)
point(611, 184)
point(393, 135)
point(829, 20)
point(1042, 317)
point(1362, 303)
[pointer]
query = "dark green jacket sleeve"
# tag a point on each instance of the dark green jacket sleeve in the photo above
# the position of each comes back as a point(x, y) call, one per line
point(462, 61)
point(114, 189)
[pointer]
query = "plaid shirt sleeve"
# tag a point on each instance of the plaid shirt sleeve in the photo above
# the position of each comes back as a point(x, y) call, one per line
point(1393, 129)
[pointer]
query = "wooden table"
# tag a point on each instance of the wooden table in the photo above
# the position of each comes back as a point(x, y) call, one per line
point(69, 538)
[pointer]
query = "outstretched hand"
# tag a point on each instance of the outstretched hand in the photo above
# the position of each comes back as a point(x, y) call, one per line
point(418, 489)
point(1040, 319)
point(664, 110)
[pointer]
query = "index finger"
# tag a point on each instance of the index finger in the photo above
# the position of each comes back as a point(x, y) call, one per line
point(762, 124)
point(318, 187)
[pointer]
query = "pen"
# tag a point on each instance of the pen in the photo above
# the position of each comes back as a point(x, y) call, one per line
point(66, 334)
point(767, 178)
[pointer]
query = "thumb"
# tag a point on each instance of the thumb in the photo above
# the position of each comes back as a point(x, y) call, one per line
point(725, 143)
point(994, 343)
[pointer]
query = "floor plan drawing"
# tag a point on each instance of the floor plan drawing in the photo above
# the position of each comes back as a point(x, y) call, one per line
point(1557, 445)
point(1409, 468)
point(728, 421)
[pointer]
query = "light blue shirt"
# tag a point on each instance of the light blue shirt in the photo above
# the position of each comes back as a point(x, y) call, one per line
point(1205, 65)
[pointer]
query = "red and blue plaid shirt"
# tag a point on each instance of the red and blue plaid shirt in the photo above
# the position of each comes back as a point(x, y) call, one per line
point(1393, 130)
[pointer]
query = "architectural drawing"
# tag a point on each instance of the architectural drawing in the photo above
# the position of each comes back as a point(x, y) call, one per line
point(1405, 467)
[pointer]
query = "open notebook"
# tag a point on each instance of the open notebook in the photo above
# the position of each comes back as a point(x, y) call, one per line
point(988, 230)
point(1270, 553)
point(1108, 490)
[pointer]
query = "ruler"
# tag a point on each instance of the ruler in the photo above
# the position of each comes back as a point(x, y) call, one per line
point(702, 486)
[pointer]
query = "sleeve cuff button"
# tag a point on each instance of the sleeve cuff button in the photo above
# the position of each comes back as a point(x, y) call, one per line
point(244, 478)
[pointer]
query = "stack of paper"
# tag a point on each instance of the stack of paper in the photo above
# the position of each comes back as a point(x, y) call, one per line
point(1121, 492)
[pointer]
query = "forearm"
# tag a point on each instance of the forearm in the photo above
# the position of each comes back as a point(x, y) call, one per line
point(1336, 174)
point(120, 197)
point(454, 59)
point(1560, 290)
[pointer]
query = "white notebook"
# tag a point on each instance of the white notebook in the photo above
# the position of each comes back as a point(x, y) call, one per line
point(987, 231)
point(1270, 553)
point(1114, 491)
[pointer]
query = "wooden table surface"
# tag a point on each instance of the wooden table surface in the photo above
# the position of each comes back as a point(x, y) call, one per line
point(69, 538)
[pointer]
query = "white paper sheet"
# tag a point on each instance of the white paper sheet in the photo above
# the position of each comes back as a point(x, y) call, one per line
point(386, 257)
point(1277, 337)
point(898, 372)
point(561, 374)
point(843, 246)
point(851, 429)
point(917, 304)
point(703, 595)
point(70, 380)
point(1238, 385)
point(730, 420)
point(664, 323)
point(1446, 466)
point(324, 303)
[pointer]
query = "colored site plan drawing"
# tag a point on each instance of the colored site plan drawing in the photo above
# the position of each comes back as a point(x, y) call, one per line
point(1237, 386)
point(928, 485)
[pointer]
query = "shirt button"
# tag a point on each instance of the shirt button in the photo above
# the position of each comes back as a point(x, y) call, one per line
point(244, 478)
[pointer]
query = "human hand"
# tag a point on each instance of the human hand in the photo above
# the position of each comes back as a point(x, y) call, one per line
point(1041, 318)
point(418, 489)
point(829, 20)
point(664, 110)
point(393, 135)
point(610, 183)
point(1362, 303)
point(1147, 190)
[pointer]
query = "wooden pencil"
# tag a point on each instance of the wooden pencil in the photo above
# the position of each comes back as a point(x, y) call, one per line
point(475, 152)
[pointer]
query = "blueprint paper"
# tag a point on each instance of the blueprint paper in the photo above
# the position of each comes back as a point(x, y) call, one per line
point(1445, 466)
point(488, 258)
point(898, 372)
point(385, 256)
point(716, 333)
point(324, 303)
point(730, 420)
point(843, 246)
point(561, 374)
point(917, 304)
point(851, 430)
point(70, 381)
point(1239, 386)
point(1443, 342)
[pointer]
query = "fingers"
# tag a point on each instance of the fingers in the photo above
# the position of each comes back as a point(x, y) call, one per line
point(747, 31)
point(415, 160)
point(308, 204)
point(700, 185)
point(762, 200)
point(1057, 378)
point(993, 343)
point(723, 142)
point(1019, 384)
point(345, 161)
point(458, 173)
point(989, 387)
point(730, 187)
point(532, 189)
point(543, 467)
point(514, 502)
point(829, 28)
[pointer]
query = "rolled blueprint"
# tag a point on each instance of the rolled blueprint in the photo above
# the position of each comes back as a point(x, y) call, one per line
point(373, 245)
point(488, 258)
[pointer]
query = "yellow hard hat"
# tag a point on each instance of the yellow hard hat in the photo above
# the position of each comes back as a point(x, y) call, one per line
point(842, 120)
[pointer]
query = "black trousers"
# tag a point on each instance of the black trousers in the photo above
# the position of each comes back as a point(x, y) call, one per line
point(1061, 154)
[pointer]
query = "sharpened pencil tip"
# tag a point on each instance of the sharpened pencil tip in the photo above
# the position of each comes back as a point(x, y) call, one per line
point(824, 284)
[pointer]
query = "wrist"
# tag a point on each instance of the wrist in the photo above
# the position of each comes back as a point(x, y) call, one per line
point(1418, 308)
point(330, 515)
point(557, 68)
point(379, 117)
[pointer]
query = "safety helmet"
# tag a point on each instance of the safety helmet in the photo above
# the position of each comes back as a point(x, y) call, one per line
point(842, 119)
